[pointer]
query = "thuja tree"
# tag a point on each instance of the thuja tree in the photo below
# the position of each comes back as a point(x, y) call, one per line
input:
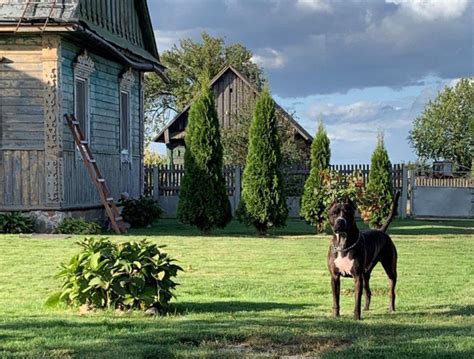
point(203, 200)
point(313, 201)
point(379, 192)
point(263, 203)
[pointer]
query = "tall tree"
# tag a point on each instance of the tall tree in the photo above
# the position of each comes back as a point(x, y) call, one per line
point(263, 203)
point(445, 130)
point(185, 64)
point(313, 203)
point(203, 200)
point(379, 192)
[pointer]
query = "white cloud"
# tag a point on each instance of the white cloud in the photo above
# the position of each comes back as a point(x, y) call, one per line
point(166, 39)
point(314, 5)
point(270, 58)
point(433, 9)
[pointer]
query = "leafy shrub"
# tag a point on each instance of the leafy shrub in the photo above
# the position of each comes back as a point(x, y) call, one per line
point(131, 275)
point(15, 222)
point(263, 203)
point(379, 193)
point(141, 212)
point(78, 226)
point(203, 200)
point(313, 206)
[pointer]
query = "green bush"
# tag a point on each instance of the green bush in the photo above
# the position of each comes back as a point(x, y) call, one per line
point(313, 207)
point(140, 212)
point(203, 200)
point(78, 226)
point(379, 192)
point(263, 203)
point(16, 222)
point(131, 275)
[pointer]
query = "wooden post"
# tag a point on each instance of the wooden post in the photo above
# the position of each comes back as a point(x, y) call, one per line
point(238, 187)
point(404, 194)
point(156, 183)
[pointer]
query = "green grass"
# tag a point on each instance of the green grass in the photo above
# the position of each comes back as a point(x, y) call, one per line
point(245, 296)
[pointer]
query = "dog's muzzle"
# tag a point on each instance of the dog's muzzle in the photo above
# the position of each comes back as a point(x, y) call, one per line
point(340, 225)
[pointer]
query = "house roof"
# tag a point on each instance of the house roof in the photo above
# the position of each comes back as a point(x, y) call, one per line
point(105, 19)
point(302, 132)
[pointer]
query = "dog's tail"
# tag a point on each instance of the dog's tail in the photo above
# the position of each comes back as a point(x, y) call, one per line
point(392, 212)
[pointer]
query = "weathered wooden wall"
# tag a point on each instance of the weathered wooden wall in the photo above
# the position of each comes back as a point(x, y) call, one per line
point(231, 94)
point(22, 177)
point(21, 95)
point(104, 131)
point(39, 165)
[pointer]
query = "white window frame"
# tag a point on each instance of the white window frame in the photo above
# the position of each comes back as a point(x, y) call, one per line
point(85, 131)
point(126, 153)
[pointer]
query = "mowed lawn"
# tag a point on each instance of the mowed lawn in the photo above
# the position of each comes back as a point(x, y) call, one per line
point(245, 296)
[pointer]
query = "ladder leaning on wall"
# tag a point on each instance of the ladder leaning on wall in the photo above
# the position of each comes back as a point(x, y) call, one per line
point(116, 221)
point(27, 6)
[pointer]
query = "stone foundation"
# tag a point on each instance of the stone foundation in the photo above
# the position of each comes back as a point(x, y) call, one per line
point(47, 221)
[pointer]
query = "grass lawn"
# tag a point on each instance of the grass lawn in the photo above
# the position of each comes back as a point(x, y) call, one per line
point(244, 296)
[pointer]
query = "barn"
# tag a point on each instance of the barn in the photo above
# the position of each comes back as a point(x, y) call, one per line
point(80, 57)
point(233, 92)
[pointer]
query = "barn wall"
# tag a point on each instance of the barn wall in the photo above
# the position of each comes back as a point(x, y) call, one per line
point(231, 94)
point(104, 131)
point(22, 178)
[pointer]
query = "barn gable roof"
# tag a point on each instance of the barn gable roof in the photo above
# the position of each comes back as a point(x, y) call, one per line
point(125, 24)
point(300, 130)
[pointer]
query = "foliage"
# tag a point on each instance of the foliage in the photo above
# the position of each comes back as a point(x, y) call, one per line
point(78, 226)
point(379, 193)
point(130, 275)
point(16, 222)
point(313, 207)
point(235, 139)
point(445, 130)
point(203, 200)
point(186, 64)
point(153, 159)
point(140, 212)
point(263, 203)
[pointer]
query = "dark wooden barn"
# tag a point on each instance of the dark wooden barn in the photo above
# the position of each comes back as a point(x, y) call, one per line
point(232, 93)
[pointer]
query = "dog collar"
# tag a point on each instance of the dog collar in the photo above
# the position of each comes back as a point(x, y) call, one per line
point(336, 249)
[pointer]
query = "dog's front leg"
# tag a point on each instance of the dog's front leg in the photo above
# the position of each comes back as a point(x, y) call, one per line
point(359, 281)
point(336, 291)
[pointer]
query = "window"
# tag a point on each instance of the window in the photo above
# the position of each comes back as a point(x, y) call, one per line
point(81, 105)
point(125, 122)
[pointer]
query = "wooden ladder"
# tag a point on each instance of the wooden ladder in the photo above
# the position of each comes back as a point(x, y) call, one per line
point(27, 5)
point(116, 221)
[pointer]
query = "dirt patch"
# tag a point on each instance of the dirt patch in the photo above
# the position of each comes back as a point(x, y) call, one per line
point(297, 347)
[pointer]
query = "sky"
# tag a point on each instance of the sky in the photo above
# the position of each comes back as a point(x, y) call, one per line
point(360, 66)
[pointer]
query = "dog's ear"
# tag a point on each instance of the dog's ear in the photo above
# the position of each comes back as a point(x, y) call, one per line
point(351, 203)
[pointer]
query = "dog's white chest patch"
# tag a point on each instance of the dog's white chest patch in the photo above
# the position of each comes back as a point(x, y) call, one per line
point(344, 264)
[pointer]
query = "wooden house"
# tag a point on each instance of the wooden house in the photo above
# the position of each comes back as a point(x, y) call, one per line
point(71, 57)
point(233, 92)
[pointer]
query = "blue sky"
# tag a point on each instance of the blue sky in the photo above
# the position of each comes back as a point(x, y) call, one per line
point(361, 66)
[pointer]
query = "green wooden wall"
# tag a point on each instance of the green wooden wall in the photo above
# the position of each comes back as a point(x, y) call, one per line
point(104, 130)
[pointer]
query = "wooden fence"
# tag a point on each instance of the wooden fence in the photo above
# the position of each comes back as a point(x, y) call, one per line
point(167, 179)
point(461, 182)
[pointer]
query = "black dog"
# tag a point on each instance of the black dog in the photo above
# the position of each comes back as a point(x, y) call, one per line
point(354, 254)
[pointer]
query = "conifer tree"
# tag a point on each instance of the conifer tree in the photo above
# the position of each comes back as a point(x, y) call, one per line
point(313, 201)
point(203, 200)
point(379, 192)
point(263, 203)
